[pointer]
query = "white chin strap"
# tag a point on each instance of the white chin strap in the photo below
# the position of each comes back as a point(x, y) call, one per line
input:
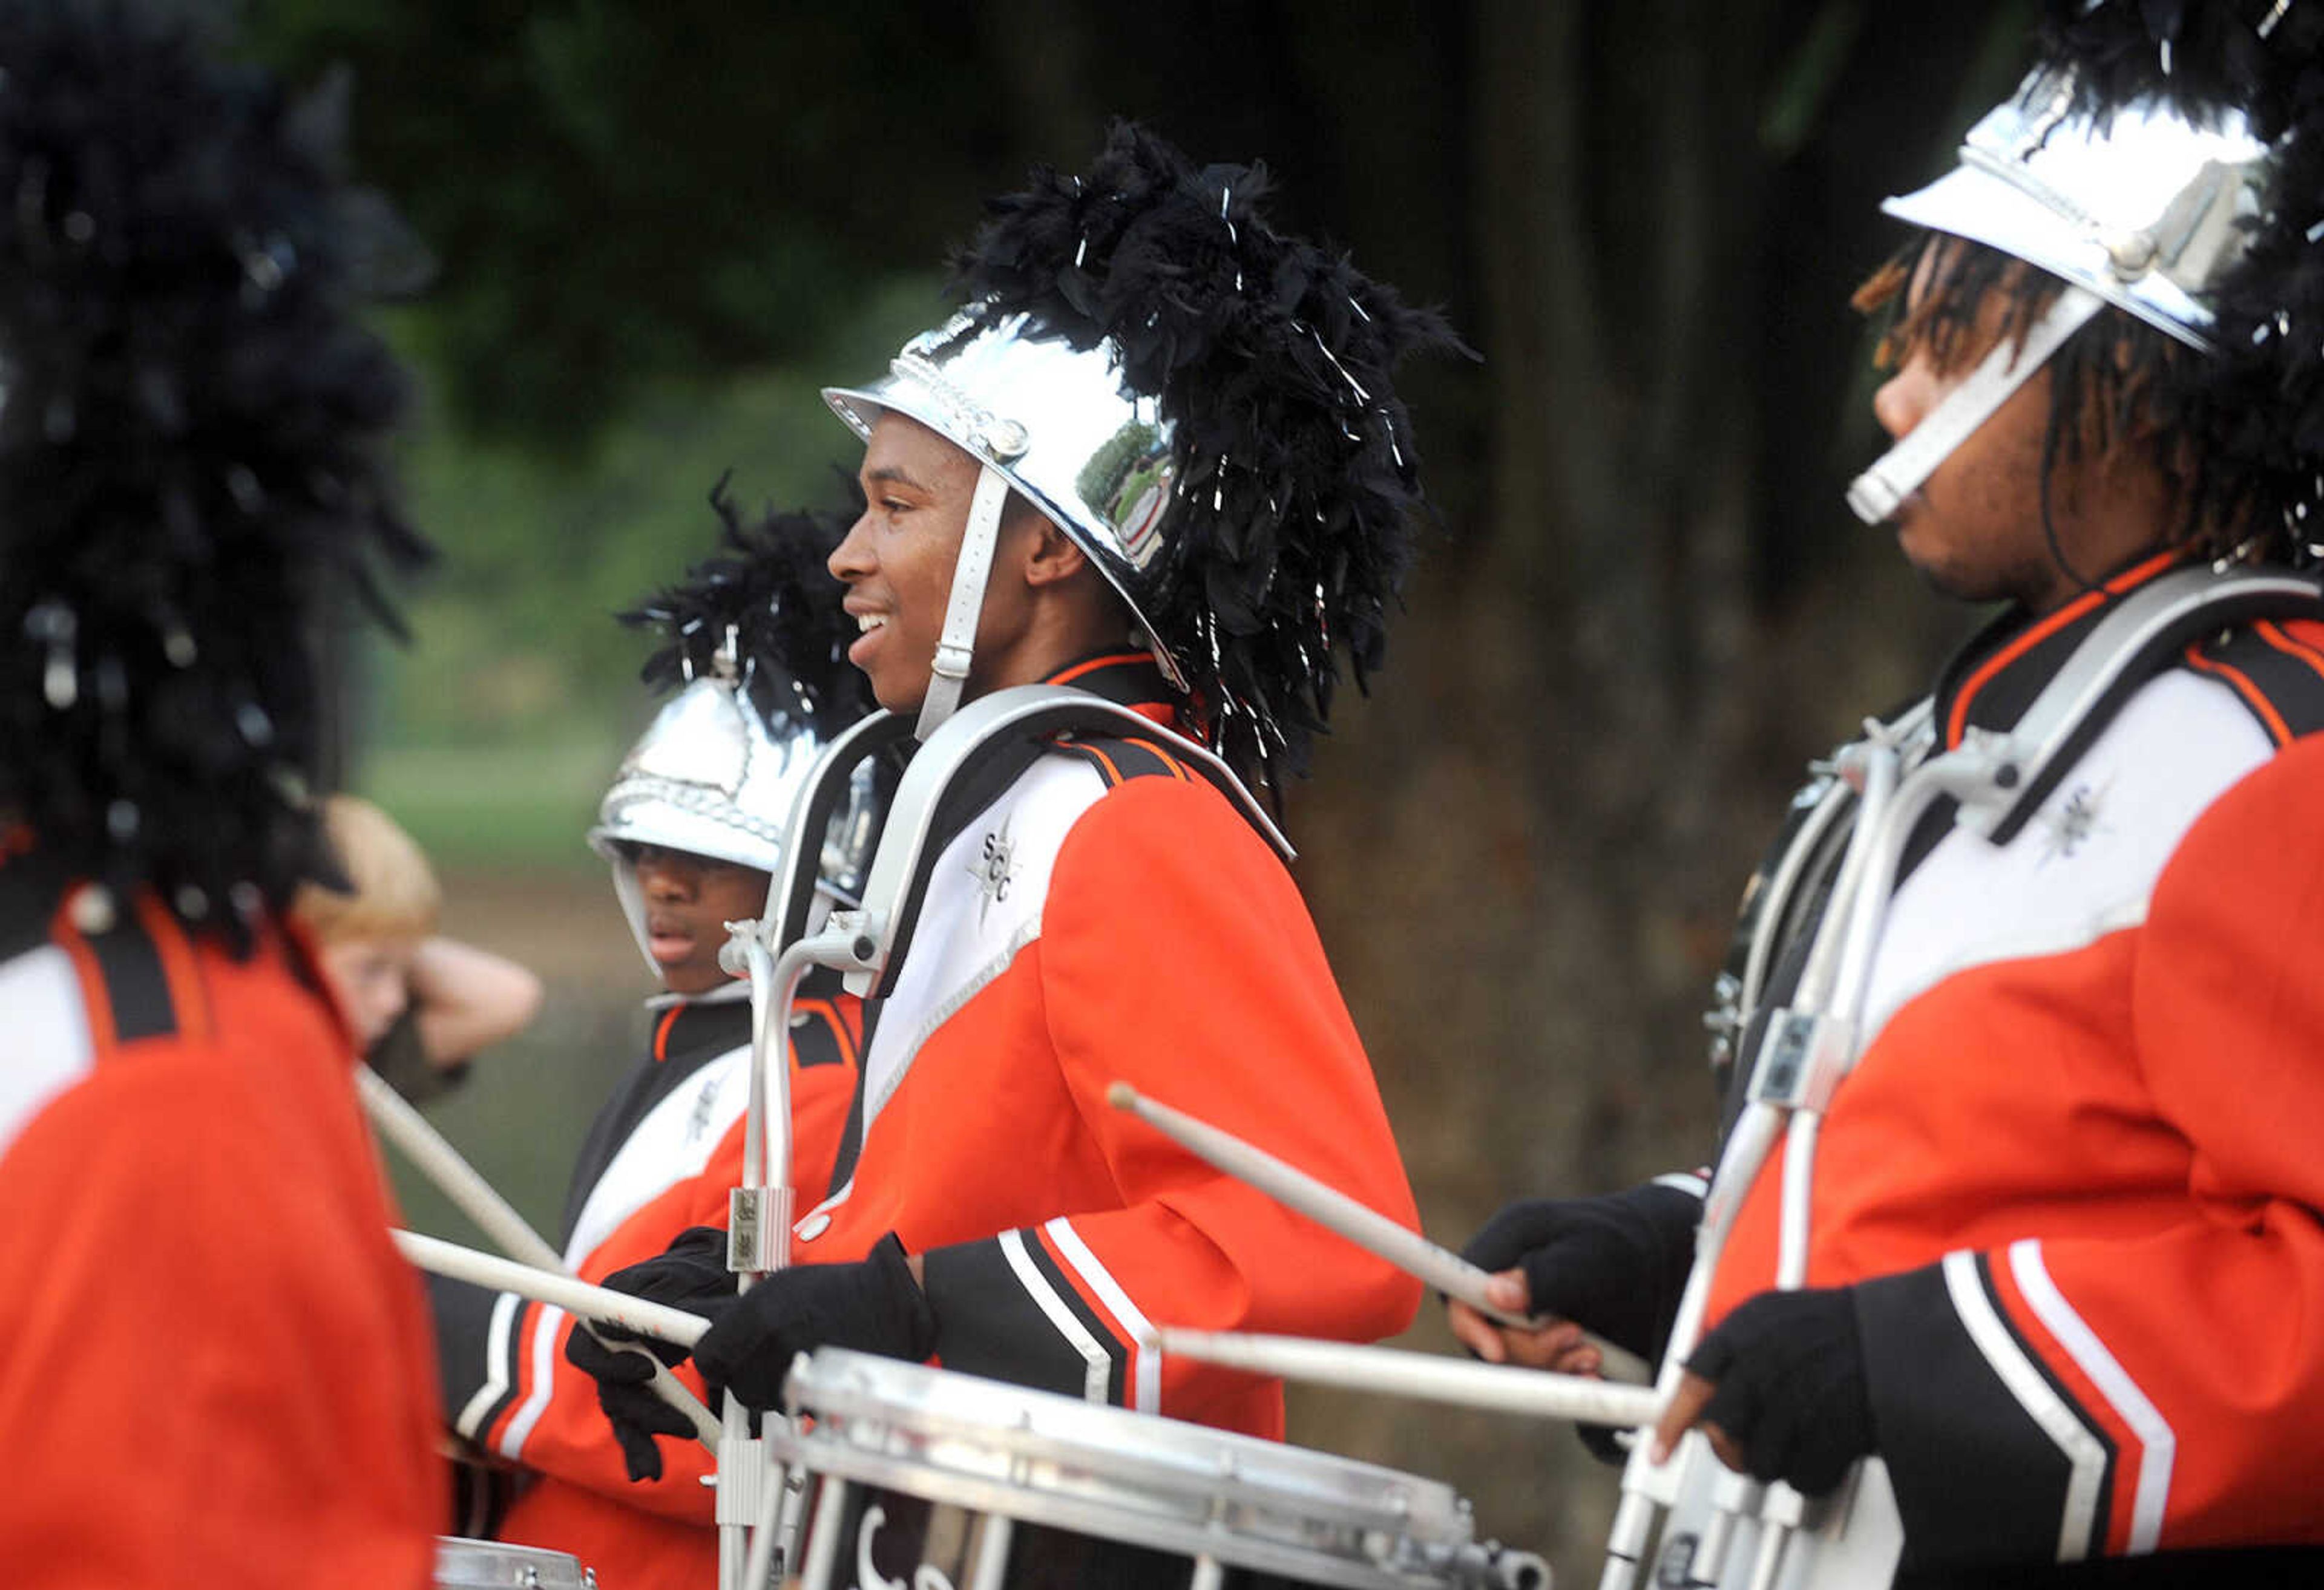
point(1880, 491)
point(957, 646)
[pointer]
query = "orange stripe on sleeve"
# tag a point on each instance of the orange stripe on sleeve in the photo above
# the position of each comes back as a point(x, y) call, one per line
point(2290, 645)
point(1112, 660)
point(2240, 683)
point(103, 1037)
point(189, 995)
point(661, 1034)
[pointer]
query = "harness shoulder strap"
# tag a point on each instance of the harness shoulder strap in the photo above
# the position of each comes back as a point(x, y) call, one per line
point(2142, 632)
point(977, 754)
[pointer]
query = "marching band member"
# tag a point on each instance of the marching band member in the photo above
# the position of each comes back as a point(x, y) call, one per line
point(2064, 1253)
point(692, 826)
point(214, 1367)
point(1159, 459)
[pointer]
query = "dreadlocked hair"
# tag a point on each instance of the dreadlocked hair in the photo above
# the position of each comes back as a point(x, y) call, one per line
point(2105, 381)
point(1297, 481)
point(766, 605)
point(2252, 415)
point(190, 454)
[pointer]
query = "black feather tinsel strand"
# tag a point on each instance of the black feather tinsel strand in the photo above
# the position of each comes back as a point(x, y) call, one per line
point(767, 597)
point(1298, 482)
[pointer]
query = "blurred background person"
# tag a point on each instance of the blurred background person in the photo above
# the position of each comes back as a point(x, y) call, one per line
point(421, 1004)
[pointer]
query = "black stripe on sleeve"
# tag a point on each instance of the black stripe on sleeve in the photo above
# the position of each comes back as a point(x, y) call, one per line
point(851, 1133)
point(1116, 1350)
point(2289, 684)
point(134, 982)
point(464, 1358)
point(988, 1324)
point(1118, 760)
point(1976, 1479)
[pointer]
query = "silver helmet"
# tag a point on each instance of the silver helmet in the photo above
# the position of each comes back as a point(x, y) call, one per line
point(1206, 406)
point(753, 645)
point(1060, 424)
point(2139, 204)
point(708, 778)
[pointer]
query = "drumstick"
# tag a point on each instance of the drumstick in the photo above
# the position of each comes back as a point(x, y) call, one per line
point(1327, 1206)
point(659, 1320)
point(428, 1149)
point(1502, 1387)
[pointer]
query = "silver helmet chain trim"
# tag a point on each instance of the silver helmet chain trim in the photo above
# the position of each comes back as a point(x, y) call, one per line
point(1000, 438)
point(957, 646)
point(1905, 468)
point(714, 804)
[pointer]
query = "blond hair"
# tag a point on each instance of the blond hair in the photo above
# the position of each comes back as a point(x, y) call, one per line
point(395, 890)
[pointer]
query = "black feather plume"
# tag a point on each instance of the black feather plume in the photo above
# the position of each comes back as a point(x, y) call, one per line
point(2255, 412)
point(190, 452)
point(1298, 478)
point(767, 600)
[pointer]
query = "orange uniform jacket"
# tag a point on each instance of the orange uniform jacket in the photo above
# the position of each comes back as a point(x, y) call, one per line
point(214, 1366)
point(2077, 1166)
point(659, 1158)
point(1109, 916)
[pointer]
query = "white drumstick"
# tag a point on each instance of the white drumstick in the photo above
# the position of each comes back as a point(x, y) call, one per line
point(659, 1320)
point(428, 1149)
point(1502, 1387)
point(1327, 1206)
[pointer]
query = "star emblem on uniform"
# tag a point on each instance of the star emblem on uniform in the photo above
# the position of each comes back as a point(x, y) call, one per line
point(994, 867)
point(2072, 823)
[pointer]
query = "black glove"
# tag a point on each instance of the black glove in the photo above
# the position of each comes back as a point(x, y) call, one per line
point(630, 1405)
point(1614, 1264)
point(1789, 1368)
point(690, 1275)
point(872, 1305)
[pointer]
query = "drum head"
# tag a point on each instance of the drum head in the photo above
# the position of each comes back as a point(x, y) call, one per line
point(1157, 1484)
point(488, 1565)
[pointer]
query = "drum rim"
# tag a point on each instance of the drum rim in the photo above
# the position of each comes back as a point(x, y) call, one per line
point(1044, 1423)
point(452, 1550)
point(987, 1497)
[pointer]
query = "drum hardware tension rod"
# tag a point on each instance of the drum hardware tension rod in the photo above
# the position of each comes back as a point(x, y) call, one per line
point(417, 1138)
point(1359, 1224)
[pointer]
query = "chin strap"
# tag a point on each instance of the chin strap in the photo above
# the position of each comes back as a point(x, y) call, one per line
point(957, 646)
point(1881, 489)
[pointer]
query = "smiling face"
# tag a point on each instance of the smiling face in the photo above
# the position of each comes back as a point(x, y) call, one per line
point(689, 901)
point(1044, 603)
point(897, 560)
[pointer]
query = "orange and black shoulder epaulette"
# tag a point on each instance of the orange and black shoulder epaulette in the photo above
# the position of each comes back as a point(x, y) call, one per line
point(2275, 668)
point(1120, 759)
point(138, 972)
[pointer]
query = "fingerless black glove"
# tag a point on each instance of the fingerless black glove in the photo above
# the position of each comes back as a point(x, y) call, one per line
point(1615, 1264)
point(872, 1305)
point(1789, 1367)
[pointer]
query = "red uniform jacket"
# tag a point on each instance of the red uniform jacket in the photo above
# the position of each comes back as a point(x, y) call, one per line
point(661, 1157)
point(214, 1366)
point(2077, 1165)
point(1108, 917)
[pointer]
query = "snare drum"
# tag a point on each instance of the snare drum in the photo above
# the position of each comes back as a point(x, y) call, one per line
point(487, 1564)
point(927, 1479)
